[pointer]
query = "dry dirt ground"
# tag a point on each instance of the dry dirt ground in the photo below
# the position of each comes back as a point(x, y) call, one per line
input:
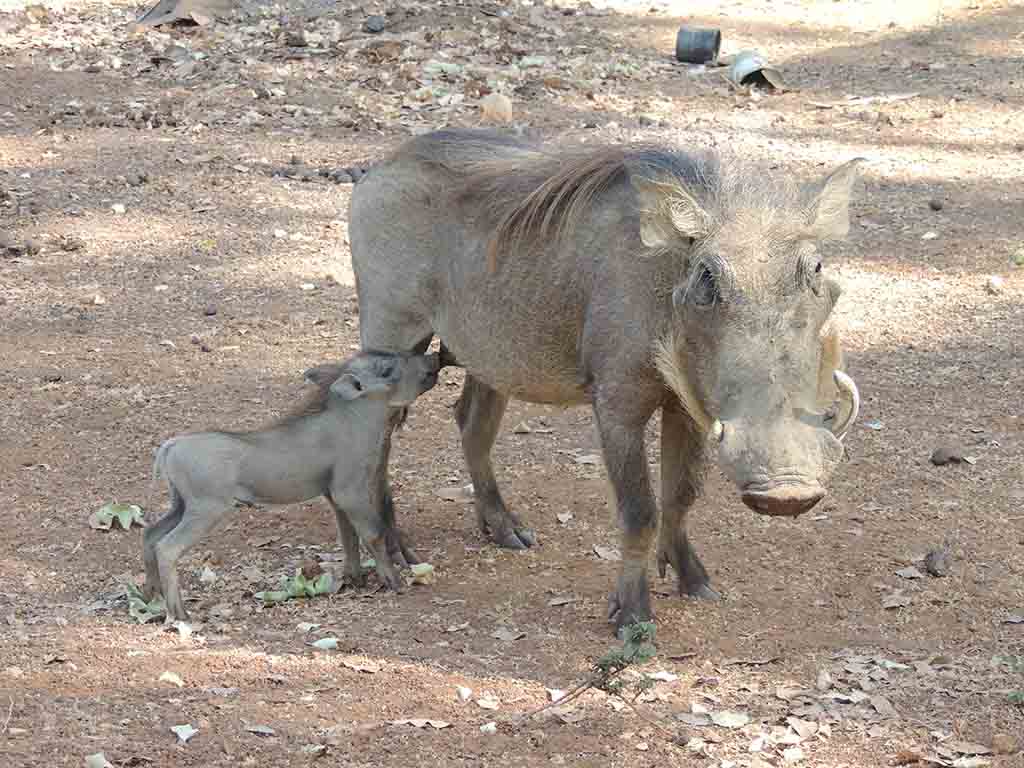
point(173, 259)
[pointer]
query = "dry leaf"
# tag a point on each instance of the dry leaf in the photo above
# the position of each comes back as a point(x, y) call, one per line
point(792, 755)
point(883, 706)
point(749, 662)
point(360, 665)
point(663, 676)
point(184, 732)
point(99, 760)
point(896, 600)
point(507, 635)
point(260, 730)
point(173, 679)
point(422, 723)
point(561, 600)
point(971, 762)
point(910, 572)
point(607, 553)
point(824, 681)
point(488, 702)
point(804, 728)
point(967, 748)
point(729, 719)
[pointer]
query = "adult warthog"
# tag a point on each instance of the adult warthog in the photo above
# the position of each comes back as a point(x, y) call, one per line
point(632, 279)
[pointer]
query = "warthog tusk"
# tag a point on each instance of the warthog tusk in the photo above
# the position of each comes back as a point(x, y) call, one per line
point(848, 394)
point(717, 431)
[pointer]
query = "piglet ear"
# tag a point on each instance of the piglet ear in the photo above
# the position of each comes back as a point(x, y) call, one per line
point(322, 374)
point(829, 213)
point(348, 387)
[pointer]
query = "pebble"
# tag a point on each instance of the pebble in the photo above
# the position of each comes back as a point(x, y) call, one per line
point(1005, 744)
point(297, 38)
point(935, 204)
point(210, 310)
point(375, 24)
point(937, 562)
point(32, 246)
point(489, 728)
point(947, 454)
point(994, 284)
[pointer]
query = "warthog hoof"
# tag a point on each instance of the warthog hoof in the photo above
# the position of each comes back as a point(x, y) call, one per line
point(675, 550)
point(399, 551)
point(702, 592)
point(502, 527)
point(629, 603)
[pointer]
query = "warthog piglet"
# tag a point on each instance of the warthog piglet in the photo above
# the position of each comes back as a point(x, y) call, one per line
point(327, 446)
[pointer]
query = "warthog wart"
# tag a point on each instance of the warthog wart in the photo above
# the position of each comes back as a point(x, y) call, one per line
point(330, 445)
point(630, 279)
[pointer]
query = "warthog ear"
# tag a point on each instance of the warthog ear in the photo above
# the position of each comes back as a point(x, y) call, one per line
point(668, 212)
point(829, 214)
point(322, 374)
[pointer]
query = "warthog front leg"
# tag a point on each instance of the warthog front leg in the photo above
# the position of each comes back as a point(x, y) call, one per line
point(399, 551)
point(625, 458)
point(682, 475)
point(349, 539)
point(478, 413)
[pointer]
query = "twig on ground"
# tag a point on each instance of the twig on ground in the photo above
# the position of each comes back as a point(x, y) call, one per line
point(7, 720)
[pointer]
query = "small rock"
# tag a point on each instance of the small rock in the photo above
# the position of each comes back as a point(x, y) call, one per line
point(994, 284)
point(464, 693)
point(71, 243)
point(935, 204)
point(375, 24)
point(522, 428)
point(32, 246)
point(118, 208)
point(296, 38)
point(1005, 744)
point(938, 562)
point(496, 108)
point(947, 454)
point(210, 310)
point(138, 179)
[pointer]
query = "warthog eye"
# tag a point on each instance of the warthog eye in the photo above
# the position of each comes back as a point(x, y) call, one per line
point(703, 290)
point(817, 269)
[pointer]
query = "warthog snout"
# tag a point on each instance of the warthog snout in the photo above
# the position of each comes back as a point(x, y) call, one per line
point(782, 499)
point(780, 464)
